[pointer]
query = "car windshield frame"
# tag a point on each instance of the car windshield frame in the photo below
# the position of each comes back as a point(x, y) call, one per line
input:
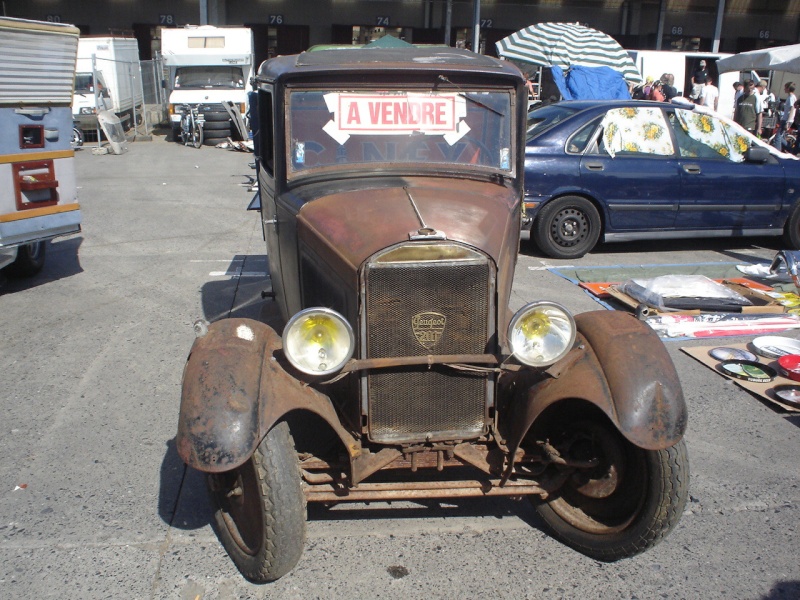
point(399, 129)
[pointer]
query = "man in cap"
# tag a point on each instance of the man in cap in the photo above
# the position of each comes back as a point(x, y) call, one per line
point(699, 80)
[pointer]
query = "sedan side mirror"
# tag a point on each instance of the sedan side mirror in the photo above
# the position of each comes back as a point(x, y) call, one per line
point(756, 154)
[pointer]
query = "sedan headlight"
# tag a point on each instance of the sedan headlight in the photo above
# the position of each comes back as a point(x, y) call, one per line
point(318, 341)
point(541, 333)
point(88, 110)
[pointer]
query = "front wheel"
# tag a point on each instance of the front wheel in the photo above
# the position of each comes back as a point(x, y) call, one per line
point(791, 231)
point(197, 135)
point(77, 137)
point(567, 227)
point(260, 509)
point(624, 505)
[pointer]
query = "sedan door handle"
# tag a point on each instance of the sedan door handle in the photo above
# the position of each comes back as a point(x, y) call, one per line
point(594, 166)
point(692, 169)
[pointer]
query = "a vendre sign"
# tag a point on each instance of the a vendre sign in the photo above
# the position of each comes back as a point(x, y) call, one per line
point(396, 114)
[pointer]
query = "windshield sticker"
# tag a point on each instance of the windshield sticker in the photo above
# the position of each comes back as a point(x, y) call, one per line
point(396, 114)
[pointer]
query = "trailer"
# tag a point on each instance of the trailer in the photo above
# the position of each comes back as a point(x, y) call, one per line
point(38, 192)
point(108, 77)
point(206, 66)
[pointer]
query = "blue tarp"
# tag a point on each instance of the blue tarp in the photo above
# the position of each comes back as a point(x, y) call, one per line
point(590, 83)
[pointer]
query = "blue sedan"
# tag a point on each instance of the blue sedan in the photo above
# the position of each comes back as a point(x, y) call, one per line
point(638, 170)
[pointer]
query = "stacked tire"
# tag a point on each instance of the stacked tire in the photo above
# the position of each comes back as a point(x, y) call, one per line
point(218, 126)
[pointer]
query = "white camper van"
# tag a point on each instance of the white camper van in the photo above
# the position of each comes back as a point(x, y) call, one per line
point(38, 195)
point(682, 65)
point(207, 65)
point(108, 76)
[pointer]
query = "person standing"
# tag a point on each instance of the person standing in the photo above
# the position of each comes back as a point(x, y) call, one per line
point(738, 90)
point(698, 81)
point(710, 95)
point(668, 79)
point(787, 116)
point(765, 96)
point(748, 113)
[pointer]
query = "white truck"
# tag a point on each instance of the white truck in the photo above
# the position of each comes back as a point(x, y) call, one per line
point(206, 66)
point(38, 192)
point(682, 65)
point(108, 77)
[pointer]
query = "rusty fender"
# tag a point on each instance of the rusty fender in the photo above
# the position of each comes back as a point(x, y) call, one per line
point(623, 368)
point(234, 391)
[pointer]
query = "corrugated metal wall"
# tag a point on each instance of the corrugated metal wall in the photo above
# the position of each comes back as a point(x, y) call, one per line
point(38, 63)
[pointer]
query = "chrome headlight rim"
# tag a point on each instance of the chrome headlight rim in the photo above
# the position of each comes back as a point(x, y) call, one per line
point(537, 306)
point(303, 315)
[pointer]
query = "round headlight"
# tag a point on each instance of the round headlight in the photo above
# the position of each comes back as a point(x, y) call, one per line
point(318, 341)
point(541, 333)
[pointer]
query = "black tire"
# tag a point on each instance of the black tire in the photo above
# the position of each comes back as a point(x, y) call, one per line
point(263, 527)
point(214, 140)
point(218, 125)
point(29, 261)
point(567, 227)
point(216, 116)
point(625, 505)
point(791, 231)
point(197, 136)
point(77, 137)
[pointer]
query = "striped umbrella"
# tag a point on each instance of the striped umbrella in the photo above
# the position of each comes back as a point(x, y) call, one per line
point(567, 44)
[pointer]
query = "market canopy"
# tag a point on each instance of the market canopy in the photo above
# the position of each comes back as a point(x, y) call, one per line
point(566, 45)
point(780, 58)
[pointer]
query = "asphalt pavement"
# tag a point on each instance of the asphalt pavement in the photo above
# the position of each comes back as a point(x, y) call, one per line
point(95, 503)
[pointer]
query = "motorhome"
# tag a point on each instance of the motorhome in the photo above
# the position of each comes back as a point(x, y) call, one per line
point(38, 199)
point(206, 66)
point(108, 77)
point(654, 63)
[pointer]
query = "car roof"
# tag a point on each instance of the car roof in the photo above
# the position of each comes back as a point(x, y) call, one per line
point(432, 59)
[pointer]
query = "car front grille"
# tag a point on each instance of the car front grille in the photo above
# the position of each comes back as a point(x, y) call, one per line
point(427, 299)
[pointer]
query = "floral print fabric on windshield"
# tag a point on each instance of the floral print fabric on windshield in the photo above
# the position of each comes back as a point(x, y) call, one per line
point(637, 129)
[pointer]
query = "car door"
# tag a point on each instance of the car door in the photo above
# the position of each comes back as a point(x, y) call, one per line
point(633, 168)
point(720, 189)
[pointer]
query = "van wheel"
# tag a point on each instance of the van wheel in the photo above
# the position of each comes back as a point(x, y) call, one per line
point(260, 509)
point(567, 227)
point(29, 261)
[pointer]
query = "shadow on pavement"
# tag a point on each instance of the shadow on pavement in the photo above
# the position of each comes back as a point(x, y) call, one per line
point(726, 246)
point(182, 498)
point(61, 261)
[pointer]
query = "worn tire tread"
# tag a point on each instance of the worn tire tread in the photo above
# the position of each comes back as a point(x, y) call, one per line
point(647, 530)
point(283, 508)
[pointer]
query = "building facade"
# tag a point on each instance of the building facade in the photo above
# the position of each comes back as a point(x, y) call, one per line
point(289, 26)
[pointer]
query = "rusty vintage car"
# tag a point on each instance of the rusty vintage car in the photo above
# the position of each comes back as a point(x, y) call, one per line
point(390, 189)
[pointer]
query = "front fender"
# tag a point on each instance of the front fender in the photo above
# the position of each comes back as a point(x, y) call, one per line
point(623, 368)
point(234, 390)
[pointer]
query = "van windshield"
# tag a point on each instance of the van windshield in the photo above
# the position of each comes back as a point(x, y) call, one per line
point(337, 128)
point(206, 77)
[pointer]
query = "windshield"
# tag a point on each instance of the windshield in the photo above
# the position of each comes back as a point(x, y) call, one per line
point(333, 128)
point(205, 77)
point(544, 117)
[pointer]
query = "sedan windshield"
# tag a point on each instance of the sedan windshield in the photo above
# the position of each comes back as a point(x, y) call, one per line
point(342, 128)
